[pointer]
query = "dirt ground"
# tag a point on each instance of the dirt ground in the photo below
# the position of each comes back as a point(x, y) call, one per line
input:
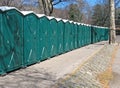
point(115, 82)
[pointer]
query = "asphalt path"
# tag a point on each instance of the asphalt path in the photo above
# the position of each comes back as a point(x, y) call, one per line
point(118, 38)
point(115, 83)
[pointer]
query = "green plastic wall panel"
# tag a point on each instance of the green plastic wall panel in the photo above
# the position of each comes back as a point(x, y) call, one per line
point(71, 38)
point(76, 34)
point(31, 37)
point(80, 35)
point(66, 37)
point(28, 39)
point(53, 36)
point(44, 38)
point(2, 71)
point(60, 37)
point(11, 34)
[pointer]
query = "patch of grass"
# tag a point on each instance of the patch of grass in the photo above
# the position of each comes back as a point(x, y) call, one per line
point(105, 77)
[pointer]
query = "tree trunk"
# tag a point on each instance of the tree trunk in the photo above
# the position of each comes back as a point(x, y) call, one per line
point(112, 22)
point(47, 6)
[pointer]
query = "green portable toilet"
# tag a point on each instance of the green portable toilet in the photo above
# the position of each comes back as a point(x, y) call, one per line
point(103, 33)
point(79, 40)
point(72, 32)
point(88, 34)
point(81, 35)
point(66, 36)
point(106, 34)
point(75, 35)
point(44, 37)
point(89, 37)
point(93, 32)
point(97, 30)
point(60, 26)
point(53, 35)
point(31, 37)
point(100, 34)
point(85, 34)
point(11, 39)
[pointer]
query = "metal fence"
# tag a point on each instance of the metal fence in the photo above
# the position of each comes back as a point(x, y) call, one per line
point(27, 38)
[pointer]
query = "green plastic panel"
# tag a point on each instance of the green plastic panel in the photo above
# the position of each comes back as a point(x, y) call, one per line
point(28, 39)
point(44, 39)
point(53, 37)
point(75, 34)
point(60, 37)
point(66, 37)
point(31, 39)
point(72, 36)
point(11, 34)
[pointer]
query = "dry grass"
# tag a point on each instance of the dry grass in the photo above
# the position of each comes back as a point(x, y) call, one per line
point(105, 77)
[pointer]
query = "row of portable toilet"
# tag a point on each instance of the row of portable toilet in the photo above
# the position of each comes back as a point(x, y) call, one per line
point(27, 38)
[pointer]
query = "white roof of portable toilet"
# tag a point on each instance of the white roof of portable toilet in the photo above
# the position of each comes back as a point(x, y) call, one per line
point(26, 12)
point(58, 19)
point(40, 15)
point(65, 20)
point(50, 17)
point(4, 8)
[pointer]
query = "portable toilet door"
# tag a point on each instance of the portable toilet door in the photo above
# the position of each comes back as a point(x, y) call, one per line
point(54, 33)
point(89, 42)
point(11, 40)
point(93, 33)
point(72, 37)
point(88, 34)
point(76, 35)
point(2, 71)
point(60, 27)
point(80, 35)
point(84, 34)
point(66, 36)
point(31, 39)
point(44, 38)
point(106, 34)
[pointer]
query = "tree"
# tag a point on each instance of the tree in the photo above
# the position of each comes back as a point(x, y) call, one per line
point(112, 22)
point(100, 15)
point(74, 13)
point(15, 3)
point(47, 6)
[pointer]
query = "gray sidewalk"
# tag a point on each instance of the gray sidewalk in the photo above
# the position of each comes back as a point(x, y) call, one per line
point(44, 74)
point(115, 83)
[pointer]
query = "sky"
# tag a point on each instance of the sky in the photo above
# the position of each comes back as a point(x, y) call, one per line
point(64, 4)
point(91, 2)
point(60, 5)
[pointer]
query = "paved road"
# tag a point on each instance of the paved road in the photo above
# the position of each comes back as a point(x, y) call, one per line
point(115, 83)
point(118, 38)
